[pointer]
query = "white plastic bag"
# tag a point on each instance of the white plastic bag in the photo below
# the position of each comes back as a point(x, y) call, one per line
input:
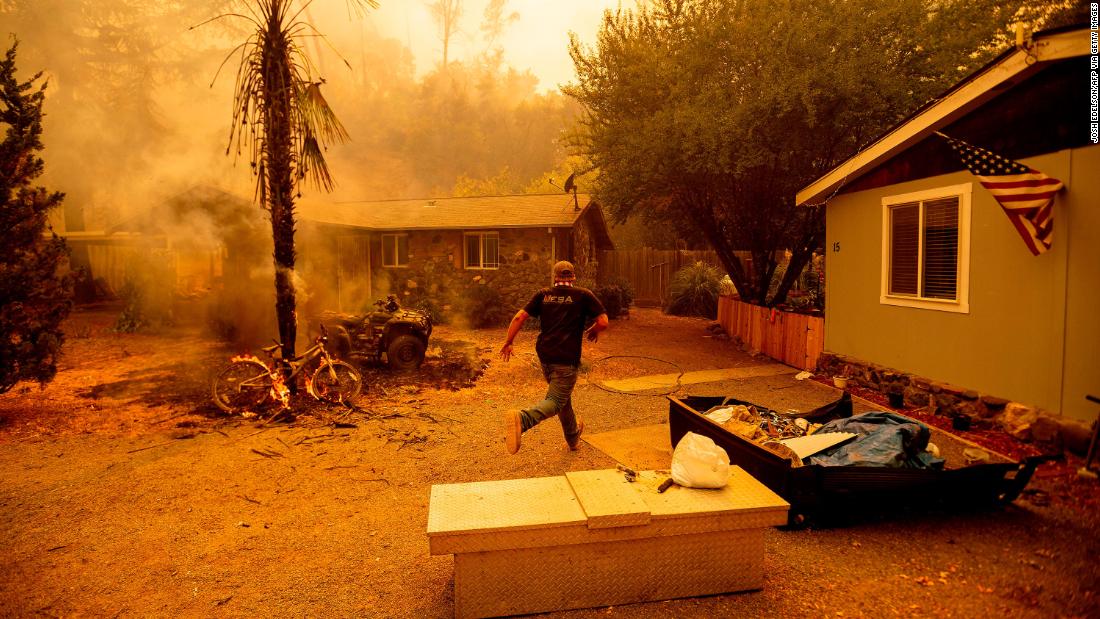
point(698, 463)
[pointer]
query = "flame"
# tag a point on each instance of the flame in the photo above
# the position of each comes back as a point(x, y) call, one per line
point(279, 391)
point(310, 389)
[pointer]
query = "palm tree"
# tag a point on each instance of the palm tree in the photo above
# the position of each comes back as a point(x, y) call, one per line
point(281, 119)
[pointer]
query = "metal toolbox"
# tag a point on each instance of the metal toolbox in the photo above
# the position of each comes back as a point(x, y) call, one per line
point(592, 538)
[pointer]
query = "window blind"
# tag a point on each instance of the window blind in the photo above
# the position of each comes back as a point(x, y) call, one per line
point(402, 250)
point(941, 248)
point(473, 251)
point(490, 257)
point(388, 259)
point(904, 248)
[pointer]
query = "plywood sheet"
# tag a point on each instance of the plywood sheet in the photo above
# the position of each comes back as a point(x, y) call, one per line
point(742, 495)
point(608, 499)
point(530, 513)
point(483, 507)
point(806, 446)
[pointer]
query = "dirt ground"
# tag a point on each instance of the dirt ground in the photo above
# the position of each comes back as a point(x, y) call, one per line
point(123, 492)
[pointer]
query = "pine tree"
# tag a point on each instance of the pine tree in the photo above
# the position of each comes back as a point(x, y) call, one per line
point(34, 297)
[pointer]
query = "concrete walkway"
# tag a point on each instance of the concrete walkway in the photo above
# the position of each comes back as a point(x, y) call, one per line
point(668, 381)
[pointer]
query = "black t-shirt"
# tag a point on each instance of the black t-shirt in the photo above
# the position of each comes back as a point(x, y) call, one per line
point(562, 312)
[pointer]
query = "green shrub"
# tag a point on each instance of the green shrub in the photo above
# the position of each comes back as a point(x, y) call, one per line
point(486, 307)
point(611, 299)
point(813, 282)
point(434, 309)
point(616, 295)
point(694, 291)
point(147, 293)
point(624, 289)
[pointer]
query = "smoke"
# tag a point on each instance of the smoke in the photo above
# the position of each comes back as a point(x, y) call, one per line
point(137, 127)
point(135, 115)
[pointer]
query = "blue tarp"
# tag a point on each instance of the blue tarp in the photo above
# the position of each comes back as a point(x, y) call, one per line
point(884, 439)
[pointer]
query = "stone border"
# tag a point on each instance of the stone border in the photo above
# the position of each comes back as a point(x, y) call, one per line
point(1024, 422)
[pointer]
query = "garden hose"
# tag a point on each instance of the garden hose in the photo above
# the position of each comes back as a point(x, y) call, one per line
point(597, 385)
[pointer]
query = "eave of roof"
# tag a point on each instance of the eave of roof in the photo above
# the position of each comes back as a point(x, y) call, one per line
point(964, 97)
point(481, 212)
point(600, 229)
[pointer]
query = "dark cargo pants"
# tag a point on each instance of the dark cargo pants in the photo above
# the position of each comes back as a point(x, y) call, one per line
point(558, 400)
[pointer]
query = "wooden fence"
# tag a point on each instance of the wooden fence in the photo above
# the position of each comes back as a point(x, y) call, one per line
point(649, 270)
point(794, 339)
point(110, 260)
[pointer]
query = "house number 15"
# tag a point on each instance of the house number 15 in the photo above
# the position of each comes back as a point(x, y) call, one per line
point(836, 247)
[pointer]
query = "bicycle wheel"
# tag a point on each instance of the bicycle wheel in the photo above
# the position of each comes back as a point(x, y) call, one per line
point(241, 386)
point(336, 381)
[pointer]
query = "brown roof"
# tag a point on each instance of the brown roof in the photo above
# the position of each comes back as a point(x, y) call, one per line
point(554, 210)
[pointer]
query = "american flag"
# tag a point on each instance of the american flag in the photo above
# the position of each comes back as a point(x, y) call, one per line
point(1026, 195)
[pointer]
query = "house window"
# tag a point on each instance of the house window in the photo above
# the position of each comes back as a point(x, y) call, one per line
point(926, 249)
point(482, 250)
point(395, 250)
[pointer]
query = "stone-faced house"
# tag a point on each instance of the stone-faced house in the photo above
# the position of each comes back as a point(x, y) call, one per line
point(930, 288)
point(441, 250)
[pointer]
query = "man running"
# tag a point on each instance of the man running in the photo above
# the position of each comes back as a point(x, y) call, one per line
point(562, 310)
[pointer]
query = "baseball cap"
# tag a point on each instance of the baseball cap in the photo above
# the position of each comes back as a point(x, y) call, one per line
point(564, 271)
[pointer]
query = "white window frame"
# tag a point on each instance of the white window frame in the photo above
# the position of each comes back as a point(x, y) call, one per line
point(962, 274)
point(481, 251)
point(397, 264)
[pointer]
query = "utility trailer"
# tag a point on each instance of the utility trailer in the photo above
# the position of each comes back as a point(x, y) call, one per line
point(818, 492)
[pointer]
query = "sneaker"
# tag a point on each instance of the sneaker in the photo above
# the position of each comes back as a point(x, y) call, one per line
point(513, 430)
point(575, 442)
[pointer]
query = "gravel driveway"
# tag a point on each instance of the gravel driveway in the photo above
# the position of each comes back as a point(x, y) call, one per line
point(112, 509)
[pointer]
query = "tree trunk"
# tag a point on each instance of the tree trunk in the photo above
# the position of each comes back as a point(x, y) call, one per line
point(279, 88)
point(703, 211)
point(764, 263)
point(801, 254)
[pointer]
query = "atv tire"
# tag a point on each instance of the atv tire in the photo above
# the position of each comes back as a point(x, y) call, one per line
point(405, 353)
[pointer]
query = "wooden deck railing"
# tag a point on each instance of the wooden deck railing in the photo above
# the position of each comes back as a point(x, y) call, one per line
point(794, 339)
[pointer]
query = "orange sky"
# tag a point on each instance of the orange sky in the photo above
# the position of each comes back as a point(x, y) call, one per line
point(538, 40)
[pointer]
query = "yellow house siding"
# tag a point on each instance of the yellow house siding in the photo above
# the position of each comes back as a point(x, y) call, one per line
point(1010, 344)
point(1081, 232)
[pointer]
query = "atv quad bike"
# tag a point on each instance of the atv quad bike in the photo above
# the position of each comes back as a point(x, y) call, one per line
point(400, 334)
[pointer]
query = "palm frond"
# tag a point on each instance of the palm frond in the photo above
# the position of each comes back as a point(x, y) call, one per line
point(319, 116)
point(275, 89)
point(360, 6)
point(313, 166)
point(221, 66)
point(222, 16)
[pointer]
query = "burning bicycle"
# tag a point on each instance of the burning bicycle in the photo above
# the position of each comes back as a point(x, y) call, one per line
point(247, 382)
